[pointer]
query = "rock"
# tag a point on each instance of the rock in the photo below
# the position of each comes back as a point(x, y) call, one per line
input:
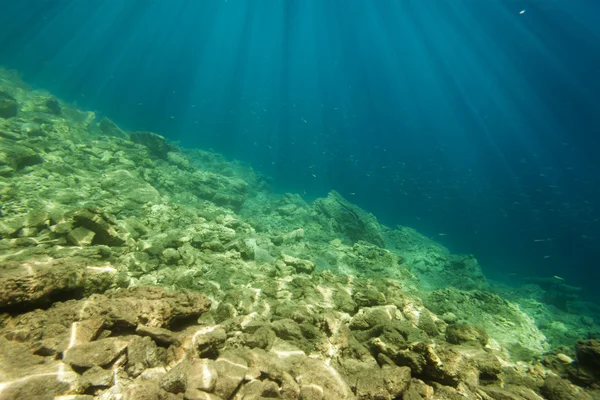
point(221, 190)
point(508, 392)
point(349, 220)
point(80, 236)
point(53, 106)
point(445, 365)
point(555, 388)
point(175, 381)
point(109, 128)
point(299, 265)
point(202, 375)
point(157, 145)
point(124, 309)
point(588, 355)
point(382, 383)
point(36, 284)
point(418, 390)
point(95, 221)
point(16, 156)
point(170, 256)
point(96, 377)
point(463, 333)
point(101, 353)
point(231, 370)
point(262, 338)
point(8, 106)
point(33, 130)
point(159, 335)
point(208, 340)
point(311, 372)
point(37, 219)
point(85, 331)
point(40, 387)
point(10, 227)
point(259, 389)
point(194, 394)
point(151, 306)
point(130, 187)
point(145, 390)
point(143, 355)
point(287, 329)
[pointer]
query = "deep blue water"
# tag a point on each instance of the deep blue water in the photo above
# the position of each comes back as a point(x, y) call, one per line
point(466, 118)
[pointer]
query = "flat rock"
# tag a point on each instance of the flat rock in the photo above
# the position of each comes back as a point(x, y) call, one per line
point(35, 283)
point(101, 352)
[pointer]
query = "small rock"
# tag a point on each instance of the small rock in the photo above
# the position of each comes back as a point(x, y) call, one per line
point(86, 331)
point(564, 358)
point(159, 335)
point(175, 381)
point(80, 236)
point(209, 340)
point(144, 357)
point(96, 377)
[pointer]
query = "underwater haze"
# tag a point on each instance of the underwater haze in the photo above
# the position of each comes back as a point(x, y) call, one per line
point(299, 199)
point(475, 122)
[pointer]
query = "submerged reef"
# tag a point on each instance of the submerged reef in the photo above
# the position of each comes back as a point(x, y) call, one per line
point(131, 268)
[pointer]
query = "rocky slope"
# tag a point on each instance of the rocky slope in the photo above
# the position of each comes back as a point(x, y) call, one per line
point(133, 269)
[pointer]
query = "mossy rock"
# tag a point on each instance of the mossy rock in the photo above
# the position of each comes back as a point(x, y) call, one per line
point(8, 106)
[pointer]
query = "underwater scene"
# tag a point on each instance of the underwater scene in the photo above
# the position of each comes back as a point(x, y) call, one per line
point(299, 199)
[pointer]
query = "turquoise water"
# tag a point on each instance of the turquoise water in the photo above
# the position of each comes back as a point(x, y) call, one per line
point(473, 122)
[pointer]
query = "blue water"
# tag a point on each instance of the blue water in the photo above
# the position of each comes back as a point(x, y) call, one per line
point(475, 122)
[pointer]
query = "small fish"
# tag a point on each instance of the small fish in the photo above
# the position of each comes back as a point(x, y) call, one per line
point(512, 274)
point(547, 256)
point(523, 11)
point(352, 194)
point(442, 234)
point(314, 176)
point(558, 278)
point(303, 120)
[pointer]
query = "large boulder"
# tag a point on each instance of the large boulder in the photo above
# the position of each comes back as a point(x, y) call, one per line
point(349, 220)
point(157, 145)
